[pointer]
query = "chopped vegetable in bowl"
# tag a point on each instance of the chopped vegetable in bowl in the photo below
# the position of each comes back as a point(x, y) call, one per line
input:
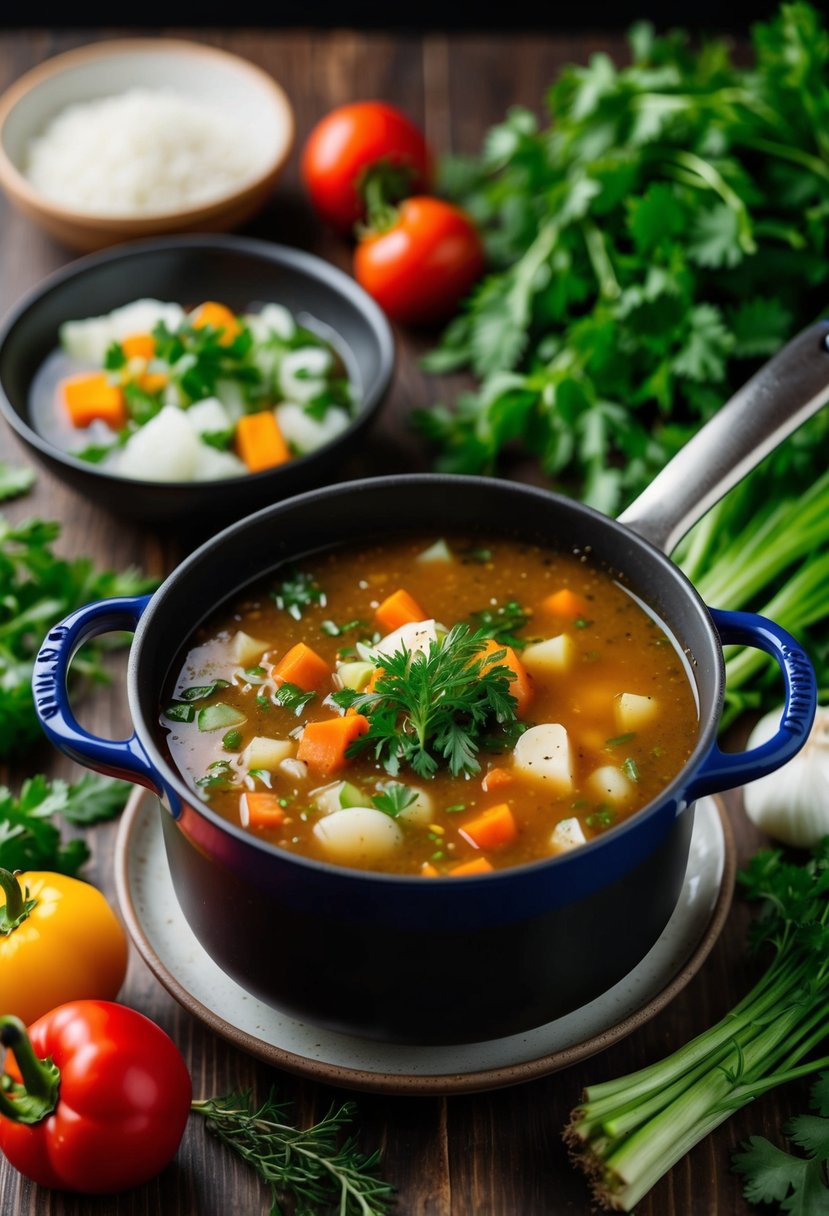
point(154, 392)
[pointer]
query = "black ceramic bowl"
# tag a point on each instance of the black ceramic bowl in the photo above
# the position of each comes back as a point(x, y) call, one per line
point(237, 271)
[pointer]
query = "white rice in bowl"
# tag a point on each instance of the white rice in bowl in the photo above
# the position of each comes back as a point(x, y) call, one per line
point(141, 152)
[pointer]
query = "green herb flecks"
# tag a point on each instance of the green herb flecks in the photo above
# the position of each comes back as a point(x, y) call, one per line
point(200, 692)
point(435, 706)
point(298, 592)
point(501, 623)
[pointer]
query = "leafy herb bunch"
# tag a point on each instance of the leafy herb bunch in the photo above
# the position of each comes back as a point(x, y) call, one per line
point(38, 588)
point(667, 229)
point(433, 705)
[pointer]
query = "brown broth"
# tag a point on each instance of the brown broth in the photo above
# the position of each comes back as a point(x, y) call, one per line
point(616, 647)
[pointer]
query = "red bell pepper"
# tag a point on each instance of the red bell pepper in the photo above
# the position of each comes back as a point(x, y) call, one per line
point(96, 1100)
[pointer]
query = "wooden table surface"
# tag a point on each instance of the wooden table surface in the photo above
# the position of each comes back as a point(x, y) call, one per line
point(497, 1153)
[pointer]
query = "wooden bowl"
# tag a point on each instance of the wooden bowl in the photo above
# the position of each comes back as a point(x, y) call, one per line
point(201, 73)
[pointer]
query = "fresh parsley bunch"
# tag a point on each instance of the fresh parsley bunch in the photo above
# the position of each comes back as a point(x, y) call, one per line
point(666, 230)
point(37, 589)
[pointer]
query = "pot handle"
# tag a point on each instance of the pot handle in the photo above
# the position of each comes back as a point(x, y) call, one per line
point(726, 770)
point(123, 758)
point(783, 394)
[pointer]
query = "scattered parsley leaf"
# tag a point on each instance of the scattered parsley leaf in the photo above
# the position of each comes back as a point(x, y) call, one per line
point(291, 696)
point(500, 623)
point(15, 480)
point(773, 1175)
point(393, 798)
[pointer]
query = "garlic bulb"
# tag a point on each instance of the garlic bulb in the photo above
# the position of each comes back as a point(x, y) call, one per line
point(792, 804)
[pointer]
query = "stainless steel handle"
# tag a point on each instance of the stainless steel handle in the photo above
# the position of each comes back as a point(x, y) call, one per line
point(783, 394)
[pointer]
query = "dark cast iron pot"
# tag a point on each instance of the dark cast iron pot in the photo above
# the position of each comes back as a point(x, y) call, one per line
point(400, 958)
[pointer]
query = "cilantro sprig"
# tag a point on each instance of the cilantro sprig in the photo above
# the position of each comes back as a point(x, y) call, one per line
point(433, 707)
point(773, 1175)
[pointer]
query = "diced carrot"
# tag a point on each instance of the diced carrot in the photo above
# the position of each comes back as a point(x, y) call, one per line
point(565, 603)
point(492, 829)
point(260, 810)
point(138, 346)
point(496, 778)
point(520, 685)
point(259, 441)
point(376, 675)
point(303, 666)
point(398, 609)
point(218, 316)
point(153, 382)
point(479, 866)
point(323, 744)
point(428, 870)
point(91, 397)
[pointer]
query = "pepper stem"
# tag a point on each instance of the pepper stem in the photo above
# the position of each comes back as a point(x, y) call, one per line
point(18, 905)
point(36, 1096)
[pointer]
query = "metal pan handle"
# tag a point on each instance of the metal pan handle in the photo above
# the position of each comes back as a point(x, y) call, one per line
point(783, 394)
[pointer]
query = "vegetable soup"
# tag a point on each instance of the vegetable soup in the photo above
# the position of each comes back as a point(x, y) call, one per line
point(433, 707)
point(153, 392)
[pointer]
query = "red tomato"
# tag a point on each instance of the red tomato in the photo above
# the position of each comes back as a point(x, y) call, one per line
point(347, 142)
point(115, 1096)
point(420, 268)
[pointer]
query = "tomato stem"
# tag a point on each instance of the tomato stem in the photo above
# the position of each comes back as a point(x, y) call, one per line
point(381, 186)
point(18, 906)
point(36, 1096)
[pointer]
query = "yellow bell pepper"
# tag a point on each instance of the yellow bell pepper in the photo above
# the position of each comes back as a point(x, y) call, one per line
point(59, 941)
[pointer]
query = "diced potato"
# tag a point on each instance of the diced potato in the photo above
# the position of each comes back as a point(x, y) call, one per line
point(567, 835)
point(337, 796)
point(90, 338)
point(302, 373)
point(208, 415)
point(358, 835)
point(543, 752)
point(438, 552)
point(421, 811)
point(213, 464)
point(305, 433)
point(247, 649)
point(610, 784)
point(165, 449)
point(550, 657)
point(633, 711)
point(416, 637)
point(274, 321)
point(266, 753)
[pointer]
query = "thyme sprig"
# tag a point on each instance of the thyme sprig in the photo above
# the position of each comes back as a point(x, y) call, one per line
point(312, 1167)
